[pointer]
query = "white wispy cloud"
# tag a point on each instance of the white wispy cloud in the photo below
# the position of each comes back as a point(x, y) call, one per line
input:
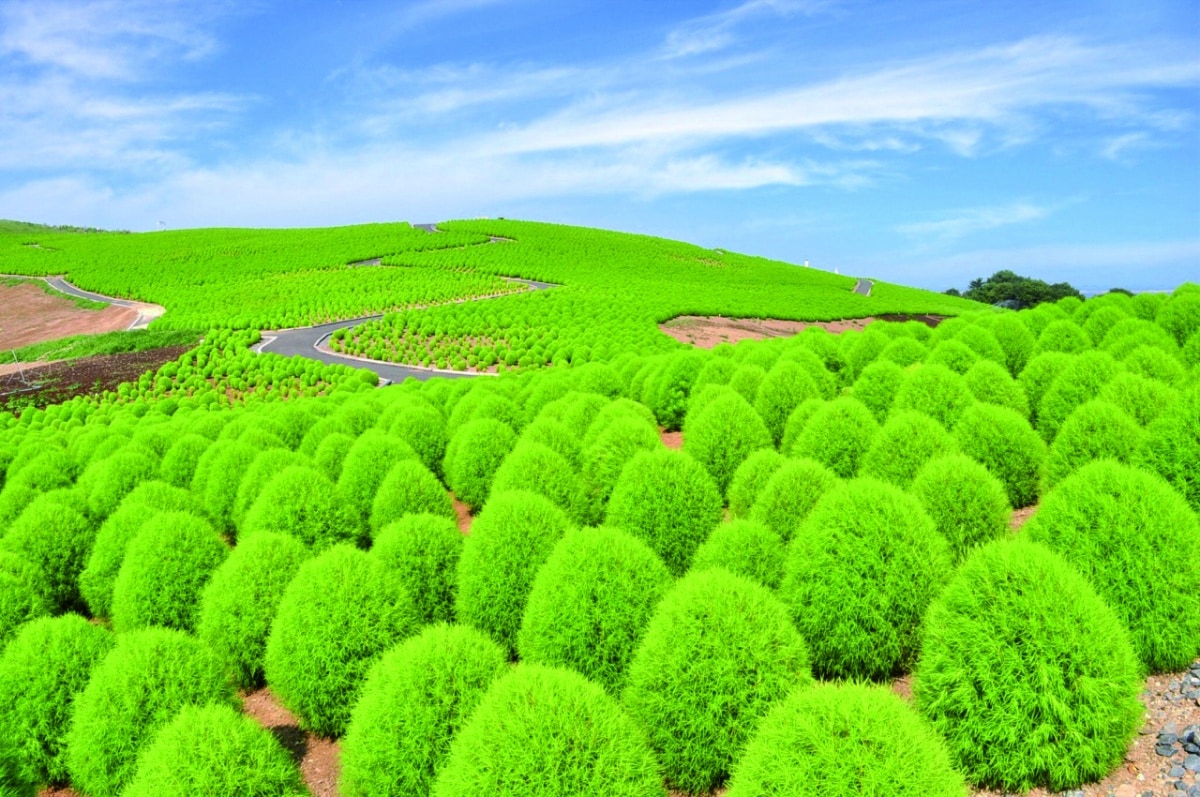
point(713, 32)
point(969, 221)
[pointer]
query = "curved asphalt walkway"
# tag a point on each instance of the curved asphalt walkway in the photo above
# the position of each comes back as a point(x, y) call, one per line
point(863, 287)
point(146, 312)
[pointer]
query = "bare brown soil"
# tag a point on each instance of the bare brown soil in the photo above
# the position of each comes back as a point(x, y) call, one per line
point(31, 316)
point(1021, 516)
point(672, 440)
point(706, 332)
point(61, 381)
point(462, 513)
point(319, 759)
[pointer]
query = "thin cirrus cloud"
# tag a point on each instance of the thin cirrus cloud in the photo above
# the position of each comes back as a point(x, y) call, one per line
point(969, 221)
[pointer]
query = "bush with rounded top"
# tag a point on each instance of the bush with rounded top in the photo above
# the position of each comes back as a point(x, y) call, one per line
point(556, 436)
point(331, 453)
point(723, 434)
point(330, 424)
point(364, 467)
point(1095, 430)
point(1154, 363)
point(719, 650)
point(108, 481)
point(747, 379)
point(590, 603)
point(51, 535)
point(953, 354)
point(669, 397)
point(844, 738)
point(797, 421)
point(542, 730)
point(750, 478)
point(784, 387)
point(1014, 338)
point(746, 548)
point(214, 751)
point(409, 488)
point(424, 550)
point(300, 501)
point(134, 691)
point(239, 602)
point(1097, 325)
point(423, 428)
point(903, 352)
point(21, 594)
point(575, 411)
point(1037, 376)
point(903, 445)
point(473, 456)
point(179, 463)
point(979, 339)
point(967, 504)
point(790, 494)
point(341, 611)
point(605, 455)
point(936, 391)
point(1180, 315)
point(509, 541)
point(1138, 543)
point(481, 402)
point(1081, 380)
point(811, 362)
point(859, 574)
point(265, 467)
point(668, 500)
point(1131, 334)
point(217, 478)
point(837, 435)
point(876, 387)
point(1139, 397)
point(860, 349)
point(164, 570)
point(414, 701)
point(1171, 446)
point(41, 672)
point(618, 409)
point(537, 469)
point(716, 371)
point(49, 470)
point(1003, 442)
point(1064, 336)
point(989, 382)
point(1028, 675)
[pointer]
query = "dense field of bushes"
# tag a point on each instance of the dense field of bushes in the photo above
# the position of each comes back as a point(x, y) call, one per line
point(622, 618)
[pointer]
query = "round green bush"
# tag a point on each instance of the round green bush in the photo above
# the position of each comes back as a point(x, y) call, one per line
point(844, 738)
point(473, 457)
point(747, 379)
point(217, 478)
point(1037, 376)
point(409, 488)
point(239, 602)
point(49, 470)
point(989, 382)
point(541, 731)
point(859, 574)
point(1180, 315)
point(903, 352)
point(1064, 336)
point(1080, 381)
point(556, 436)
point(22, 596)
point(108, 481)
point(718, 651)
point(424, 429)
point(604, 456)
point(1015, 340)
point(668, 500)
point(56, 539)
point(331, 453)
point(537, 469)
point(876, 387)
point(414, 701)
point(968, 505)
point(179, 463)
point(1095, 430)
point(1097, 325)
point(365, 465)
point(215, 751)
point(745, 548)
point(936, 391)
point(1171, 446)
point(1142, 399)
point(716, 371)
point(862, 348)
point(341, 611)
point(1138, 543)
point(1152, 362)
point(590, 603)
point(1028, 675)
point(811, 362)
point(300, 501)
point(783, 389)
point(575, 411)
point(1003, 442)
point(613, 411)
point(903, 445)
point(481, 402)
point(164, 570)
point(265, 467)
point(750, 478)
point(668, 396)
point(41, 672)
point(509, 541)
point(837, 435)
point(723, 434)
point(133, 692)
point(790, 494)
point(953, 354)
point(424, 550)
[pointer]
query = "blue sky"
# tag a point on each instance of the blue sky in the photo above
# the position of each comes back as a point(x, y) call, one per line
point(920, 142)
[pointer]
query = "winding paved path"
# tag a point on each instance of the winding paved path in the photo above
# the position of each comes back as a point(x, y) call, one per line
point(863, 287)
point(146, 312)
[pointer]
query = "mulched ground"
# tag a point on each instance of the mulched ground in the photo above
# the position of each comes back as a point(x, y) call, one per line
point(63, 380)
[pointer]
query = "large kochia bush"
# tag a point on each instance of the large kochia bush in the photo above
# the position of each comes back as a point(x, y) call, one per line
point(860, 572)
point(414, 701)
point(22, 594)
point(876, 387)
point(1028, 675)
point(846, 738)
point(605, 454)
point(590, 602)
point(723, 434)
point(745, 548)
point(341, 611)
point(302, 502)
point(366, 464)
point(1095, 430)
point(51, 535)
point(783, 389)
point(1004, 443)
point(903, 445)
point(936, 391)
point(837, 435)
point(409, 488)
point(473, 456)
point(1138, 543)
point(1171, 447)
point(538, 469)
point(719, 650)
point(749, 479)
point(424, 551)
point(967, 504)
point(790, 494)
point(541, 731)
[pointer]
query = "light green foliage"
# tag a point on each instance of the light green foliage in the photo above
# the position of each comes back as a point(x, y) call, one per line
point(537, 469)
point(41, 671)
point(1180, 315)
point(109, 480)
point(860, 349)
point(179, 463)
point(669, 399)
point(668, 500)
point(300, 501)
point(1004, 443)
point(1064, 336)
point(798, 420)
point(1138, 543)
point(1037, 376)
point(750, 478)
point(837, 435)
point(473, 456)
point(1097, 325)
point(214, 751)
point(365, 465)
point(790, 494)
point(1141, 398)
point(218, 476)
point(414, 701)
point(342, 610)
point(953, 354)
point(239, 602)
point(50, 469)
point(968, 505)
point(715, 371)
point(903, 445)
point(844, 738)
point(133, 692)
point(590, 603)
point(1171, 447)
point(1028, 675)
point(859, 574)
point(746, 548)
point(1081, 380)
point(721, 435)
point(605, 454)
point(989, 382)
point(481, 402)
point(424, 551)
point(1014, 338)
point(936, 391)
point(556, 436)
point(541, 731)
point(331, 453)
point(1131, 334)
point(747, 379)
point(903, 351)
point(509, 541)
point(165, 567)
point(719, 650)
point(265, 467)
point(409, 488)
point(612, 412)
point(783, 389)
point(1094, 430)
point(21, 594)
point(876, 387)
point(1154, 363)
point(56, 539)
point(424, 429)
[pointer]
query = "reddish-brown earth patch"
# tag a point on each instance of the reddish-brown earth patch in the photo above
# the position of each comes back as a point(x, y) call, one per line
point(706, 332)
point(319, 759)
point(1021, 516)
point(61, 381)
point(31, 316)
point(672, 440)
point(462, 513)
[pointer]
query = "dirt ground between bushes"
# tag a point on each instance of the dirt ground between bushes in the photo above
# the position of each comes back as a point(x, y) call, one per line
point(60, 381)
point(706, 332)
point(31, 316)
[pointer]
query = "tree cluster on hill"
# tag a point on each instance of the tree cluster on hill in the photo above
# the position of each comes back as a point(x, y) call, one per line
point(1015, 291)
